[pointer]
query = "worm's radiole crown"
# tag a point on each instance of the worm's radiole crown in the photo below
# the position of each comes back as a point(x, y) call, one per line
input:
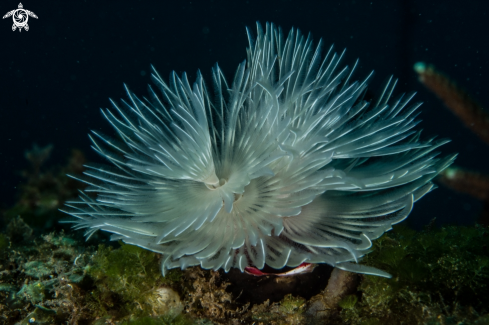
point(288, 164)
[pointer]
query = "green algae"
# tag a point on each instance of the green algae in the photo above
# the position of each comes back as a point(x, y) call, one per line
point(37, 275)
point(130, 277)
point(37, 269)
point(54, 273)
point(34, 292)
point(40, 316)
point(448, 259)
point(129, 270)
point(163, 320)
point(438, 275)
point(288, 311)
point(4, 242)
point(292, 305)
point(348, 302)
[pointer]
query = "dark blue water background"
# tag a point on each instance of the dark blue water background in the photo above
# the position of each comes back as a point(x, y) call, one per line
point(77, 54)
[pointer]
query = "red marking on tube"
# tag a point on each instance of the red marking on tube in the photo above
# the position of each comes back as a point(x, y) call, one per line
point(303, 268)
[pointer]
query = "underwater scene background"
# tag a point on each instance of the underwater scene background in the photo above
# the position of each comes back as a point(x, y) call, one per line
point(56, 76)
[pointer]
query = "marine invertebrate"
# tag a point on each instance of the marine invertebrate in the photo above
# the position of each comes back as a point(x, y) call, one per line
point(472, 114)
point(456, 99)
point(286, 165)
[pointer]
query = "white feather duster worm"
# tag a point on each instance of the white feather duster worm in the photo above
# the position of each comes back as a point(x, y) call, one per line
point(287, 165)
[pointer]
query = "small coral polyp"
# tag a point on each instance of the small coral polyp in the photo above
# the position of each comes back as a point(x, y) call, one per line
point(288, 164)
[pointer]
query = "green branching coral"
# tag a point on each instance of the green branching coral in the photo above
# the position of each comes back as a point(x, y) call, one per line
point(440, 274)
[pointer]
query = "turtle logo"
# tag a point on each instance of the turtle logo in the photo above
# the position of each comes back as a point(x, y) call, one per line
point(20, 17)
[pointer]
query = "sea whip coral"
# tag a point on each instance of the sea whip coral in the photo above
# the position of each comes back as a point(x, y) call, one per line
point(286, 165)
point(476, 118)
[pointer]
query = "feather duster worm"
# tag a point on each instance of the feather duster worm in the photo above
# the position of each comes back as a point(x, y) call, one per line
point(286, 165)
